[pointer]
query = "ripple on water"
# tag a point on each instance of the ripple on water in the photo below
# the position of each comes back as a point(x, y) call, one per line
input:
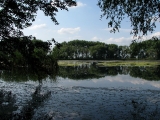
point(100, 103)
point(89, 102)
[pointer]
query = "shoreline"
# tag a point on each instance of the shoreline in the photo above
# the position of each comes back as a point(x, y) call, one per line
point(109, 62)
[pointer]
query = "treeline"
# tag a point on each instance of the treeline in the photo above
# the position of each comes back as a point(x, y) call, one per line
point(81, 49)
point(26, 52)
point(29, 52)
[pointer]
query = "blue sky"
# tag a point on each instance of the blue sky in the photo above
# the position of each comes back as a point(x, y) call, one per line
point(82, 22)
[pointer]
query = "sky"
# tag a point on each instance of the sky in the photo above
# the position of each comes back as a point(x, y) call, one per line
point(83, 23)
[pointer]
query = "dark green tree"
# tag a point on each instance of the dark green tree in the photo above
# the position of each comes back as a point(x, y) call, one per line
point(16, 15)
point(112, 52)
point(98, 51)
point(142, 14)
point(134, 49)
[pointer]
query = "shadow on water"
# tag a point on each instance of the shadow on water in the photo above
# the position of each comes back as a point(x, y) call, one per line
point(20, 100)
point(7, 100)
point(8, 108)
point(87, 103)
point(24, 74)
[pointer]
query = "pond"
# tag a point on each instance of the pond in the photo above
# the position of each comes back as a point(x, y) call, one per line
point(85, 92)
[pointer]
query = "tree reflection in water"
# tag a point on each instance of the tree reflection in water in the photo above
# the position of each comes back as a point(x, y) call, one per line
point(81, 102)
point(8, 107)
point(8, 100)
point(89, 72)
point(82, 72)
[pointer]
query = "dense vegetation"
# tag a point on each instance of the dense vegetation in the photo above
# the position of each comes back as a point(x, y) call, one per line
point(17, 49)
point(84, 50)
point(26, 52)
point(29, 52)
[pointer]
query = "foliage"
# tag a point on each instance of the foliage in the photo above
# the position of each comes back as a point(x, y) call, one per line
point(81, 49)
point(112, 51)
point(16, 15)
point(85, 50)
point(24, 52)
point(148, 49)
point(142, 13)
point(17, 49)
point(124, 52)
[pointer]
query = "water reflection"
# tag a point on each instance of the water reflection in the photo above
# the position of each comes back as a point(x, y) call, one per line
point(82, 72)
point(19, 101)
point(7, 101)
point(81, 92)
point(79, 103)
point(90, 72)
point(101, 103)
point(22, 75)
point(90, 76)
point(120, 76)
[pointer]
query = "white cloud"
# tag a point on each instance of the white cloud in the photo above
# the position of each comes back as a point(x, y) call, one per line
point(74, 38)
point(157, 34)
point(119, 41)
point(69, 30)
point(35, 34)
point(34, 27)
point(120, 29)
point(79, 4)
point(124, 40)
point(96, 38)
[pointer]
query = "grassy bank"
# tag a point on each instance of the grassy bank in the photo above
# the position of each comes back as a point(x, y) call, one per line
point(109, 63)
point(73, 62)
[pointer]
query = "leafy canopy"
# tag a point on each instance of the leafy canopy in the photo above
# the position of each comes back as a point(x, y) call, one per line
point(142, 13)
point(16, 15)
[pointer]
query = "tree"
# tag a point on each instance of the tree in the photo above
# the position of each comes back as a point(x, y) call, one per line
point(142, 13)
point(16, 15)
point(134, 50)
point(112, 52)
point(98, 51)
point(123, 52)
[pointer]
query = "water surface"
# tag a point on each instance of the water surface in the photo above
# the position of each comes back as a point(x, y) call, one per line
point(82, 92)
